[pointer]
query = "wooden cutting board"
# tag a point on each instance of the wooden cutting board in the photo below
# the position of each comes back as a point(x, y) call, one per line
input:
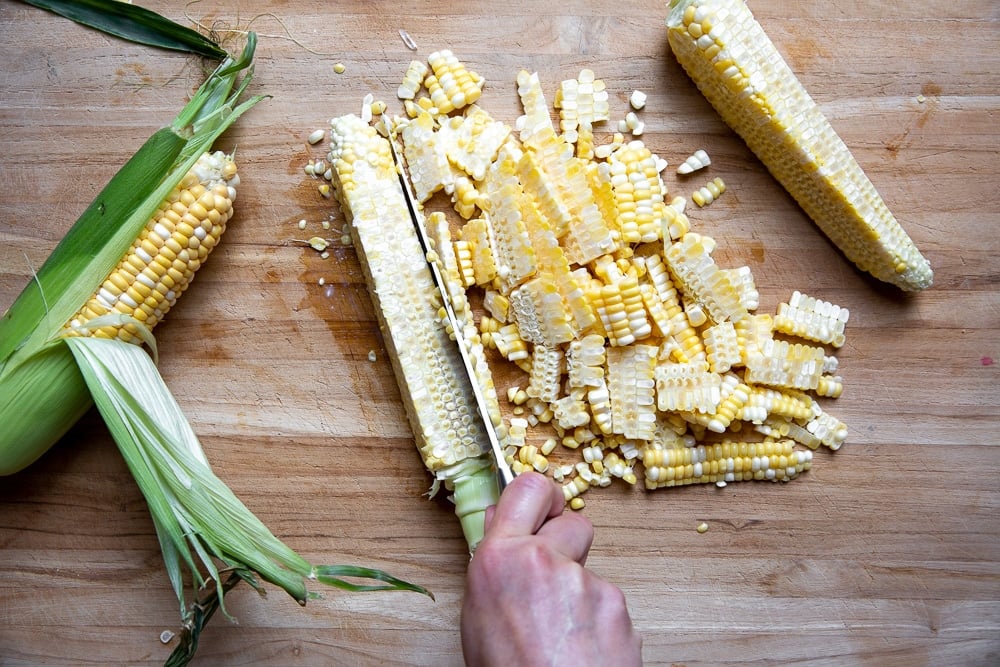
point(885, 553)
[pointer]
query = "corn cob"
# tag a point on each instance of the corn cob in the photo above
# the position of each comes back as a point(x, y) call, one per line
point(447, 427)
point(742, 74)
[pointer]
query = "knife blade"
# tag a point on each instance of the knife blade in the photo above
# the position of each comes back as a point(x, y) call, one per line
point(504, 473)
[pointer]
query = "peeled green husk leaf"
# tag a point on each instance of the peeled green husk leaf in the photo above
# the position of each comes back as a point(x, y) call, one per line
point(134, 23)
point(196, 515)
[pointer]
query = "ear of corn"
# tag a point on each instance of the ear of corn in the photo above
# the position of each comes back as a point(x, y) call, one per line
point(72, 338)
point(134, 296)
point(739, 70)
point(164, 257)
point(87, 256)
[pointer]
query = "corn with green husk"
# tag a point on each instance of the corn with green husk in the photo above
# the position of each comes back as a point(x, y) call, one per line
point(739, 70)
point(74, 338)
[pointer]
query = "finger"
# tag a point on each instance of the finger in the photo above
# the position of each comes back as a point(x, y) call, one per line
point(488, 517)
point(570, 534)
point(527, 502)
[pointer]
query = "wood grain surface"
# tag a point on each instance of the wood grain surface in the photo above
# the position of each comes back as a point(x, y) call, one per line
point(885, 553)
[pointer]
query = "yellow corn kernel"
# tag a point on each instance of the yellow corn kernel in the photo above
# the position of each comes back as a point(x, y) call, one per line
point(812, 319)
point(709, 192)
point(451, 86)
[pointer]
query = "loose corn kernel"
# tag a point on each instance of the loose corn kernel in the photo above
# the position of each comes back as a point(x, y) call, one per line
point(697, 160)
point(709, 192)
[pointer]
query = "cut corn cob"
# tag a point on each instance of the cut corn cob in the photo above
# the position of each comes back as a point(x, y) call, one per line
point(740, 71)
point(446, 423)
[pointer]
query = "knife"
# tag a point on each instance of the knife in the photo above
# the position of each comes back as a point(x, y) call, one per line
point(504, 473)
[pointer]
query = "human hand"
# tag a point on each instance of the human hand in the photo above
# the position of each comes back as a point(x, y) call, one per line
point(529, 600)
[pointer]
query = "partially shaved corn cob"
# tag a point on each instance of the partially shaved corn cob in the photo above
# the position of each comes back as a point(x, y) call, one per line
point(742, 74)
point(449, 432)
